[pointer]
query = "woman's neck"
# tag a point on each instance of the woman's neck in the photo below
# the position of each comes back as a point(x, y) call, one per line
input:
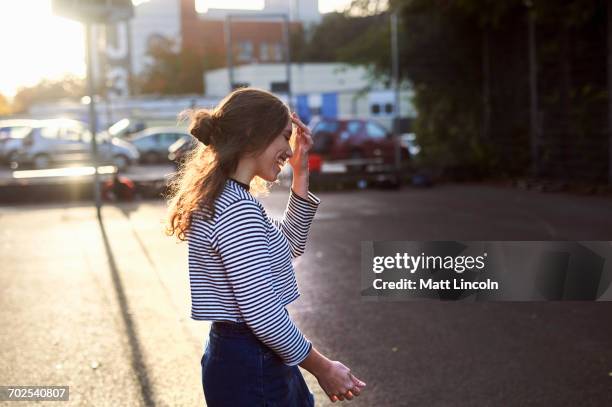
point(245, 172)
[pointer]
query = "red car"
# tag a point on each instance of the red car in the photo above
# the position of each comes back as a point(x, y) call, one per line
point(360, 144)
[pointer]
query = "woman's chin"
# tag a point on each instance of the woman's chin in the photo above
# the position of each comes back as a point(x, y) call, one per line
point(271, 177)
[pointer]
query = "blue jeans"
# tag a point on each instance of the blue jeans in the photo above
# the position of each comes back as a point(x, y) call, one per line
point(239, 370)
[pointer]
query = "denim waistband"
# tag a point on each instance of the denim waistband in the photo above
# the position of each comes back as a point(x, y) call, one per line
point(228, 328)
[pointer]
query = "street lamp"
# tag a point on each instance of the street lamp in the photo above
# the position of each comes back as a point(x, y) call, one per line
point(91, 12)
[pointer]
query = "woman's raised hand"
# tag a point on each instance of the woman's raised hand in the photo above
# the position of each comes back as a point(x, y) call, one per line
point(302, 144)
point(339, 383)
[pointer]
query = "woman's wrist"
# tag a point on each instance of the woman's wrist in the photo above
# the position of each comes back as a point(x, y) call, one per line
point(316, 363)
point(301, 173)
point(300, 183)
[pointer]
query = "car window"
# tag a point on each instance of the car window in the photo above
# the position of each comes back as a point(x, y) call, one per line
point(353, 127)
point(50, 132)
point(325, 126)
point(146, 140)
point(14, 131)
point(169, 138)
point(70, 134)
point(375, 131)
point(86, 137)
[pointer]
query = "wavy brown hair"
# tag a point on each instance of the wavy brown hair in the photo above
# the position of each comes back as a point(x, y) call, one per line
point(245, 122)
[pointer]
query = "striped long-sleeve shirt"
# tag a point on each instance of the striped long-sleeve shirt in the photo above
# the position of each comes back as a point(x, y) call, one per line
point(240, 266)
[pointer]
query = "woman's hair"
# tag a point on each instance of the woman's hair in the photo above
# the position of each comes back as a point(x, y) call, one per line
point(245, 122)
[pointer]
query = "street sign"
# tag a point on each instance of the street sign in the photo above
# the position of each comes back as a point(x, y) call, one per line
point(94, 11)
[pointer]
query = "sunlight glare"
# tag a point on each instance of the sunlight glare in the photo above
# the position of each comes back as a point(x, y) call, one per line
point(36, 44)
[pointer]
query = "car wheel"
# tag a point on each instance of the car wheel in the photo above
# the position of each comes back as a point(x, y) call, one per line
point(41, 161)
point(356, 155)
point(11, 157)
point(121, 162)
point(150, 158)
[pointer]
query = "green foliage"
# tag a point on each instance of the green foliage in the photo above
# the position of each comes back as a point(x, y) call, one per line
point(172, 71)
point(332, 39)
point(445, 56)
point(69, 87)
point(5, 107)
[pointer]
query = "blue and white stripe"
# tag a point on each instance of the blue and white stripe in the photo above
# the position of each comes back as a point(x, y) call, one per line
point(240, 267)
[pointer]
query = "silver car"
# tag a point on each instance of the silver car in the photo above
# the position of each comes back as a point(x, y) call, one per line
point(63, 141)
point(12, 133)
point(153, 143)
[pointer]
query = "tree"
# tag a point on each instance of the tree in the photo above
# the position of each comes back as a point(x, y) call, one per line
point(172, 71)
point(469, 63)
point(47, 90)
point(336, 31)
point(5, 107)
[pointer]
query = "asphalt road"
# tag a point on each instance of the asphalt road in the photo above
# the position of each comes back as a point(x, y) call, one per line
point(108, 312)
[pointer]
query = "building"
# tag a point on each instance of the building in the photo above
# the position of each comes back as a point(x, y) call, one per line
point(252, 35)
point(257, 35)
point(319, 90)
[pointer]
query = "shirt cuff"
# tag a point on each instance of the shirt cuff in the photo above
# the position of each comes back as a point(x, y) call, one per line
point(312, 198)
point(301, 359)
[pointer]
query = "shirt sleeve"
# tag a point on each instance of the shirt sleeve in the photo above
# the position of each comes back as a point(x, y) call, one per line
point(240, 238)
point(297, 219)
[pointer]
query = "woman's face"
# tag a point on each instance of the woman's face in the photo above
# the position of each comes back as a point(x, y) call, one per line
point(270, 162)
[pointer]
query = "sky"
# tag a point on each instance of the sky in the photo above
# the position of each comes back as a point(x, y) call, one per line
point(36, 44)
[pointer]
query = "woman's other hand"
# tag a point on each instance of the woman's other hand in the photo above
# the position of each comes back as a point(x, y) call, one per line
point(301, 145)
point(339, 383)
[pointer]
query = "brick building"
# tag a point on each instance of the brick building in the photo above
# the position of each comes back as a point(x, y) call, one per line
point(256, 36)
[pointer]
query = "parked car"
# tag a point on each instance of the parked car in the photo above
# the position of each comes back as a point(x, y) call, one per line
point(409, 141)
point(153, 143)
point(178, 150)
point(12, 133)
point(359, 144)
point(126, 127)
point(63, 141)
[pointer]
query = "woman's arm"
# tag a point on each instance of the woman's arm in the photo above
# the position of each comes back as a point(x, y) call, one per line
point(240, 238)
point(298, 216)
point(300, 182)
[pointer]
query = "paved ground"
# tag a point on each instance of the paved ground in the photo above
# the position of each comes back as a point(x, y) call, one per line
point(107, 312)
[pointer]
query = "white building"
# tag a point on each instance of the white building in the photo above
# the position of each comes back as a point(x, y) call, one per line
point(331, 90)
point(152, 19)
point(305, 11)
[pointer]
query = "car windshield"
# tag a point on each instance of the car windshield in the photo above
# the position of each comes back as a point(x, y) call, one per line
point(119, 127)
point(328, 127)
point(323, 136)
point(14, 131)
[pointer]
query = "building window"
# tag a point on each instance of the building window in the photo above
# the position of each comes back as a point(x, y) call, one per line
point(375, 108)
point(245, 50)
point(278, 51)
point(388, 108)
point(264, 51)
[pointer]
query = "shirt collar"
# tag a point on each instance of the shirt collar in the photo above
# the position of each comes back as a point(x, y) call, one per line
point(242, 184)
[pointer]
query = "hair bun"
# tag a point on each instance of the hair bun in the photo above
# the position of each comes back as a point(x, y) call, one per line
point(204, 126)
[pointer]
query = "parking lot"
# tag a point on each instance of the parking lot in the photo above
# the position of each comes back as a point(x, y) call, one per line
point(111, 309)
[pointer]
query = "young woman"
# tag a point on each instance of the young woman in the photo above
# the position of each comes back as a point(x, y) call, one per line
point(240, 259)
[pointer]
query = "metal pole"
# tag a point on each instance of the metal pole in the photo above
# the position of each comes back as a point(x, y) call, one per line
point(609, 23)
point(287, 37)
point(533, 94)
point(228, 39)
point(396, 87)
point(92, 116)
